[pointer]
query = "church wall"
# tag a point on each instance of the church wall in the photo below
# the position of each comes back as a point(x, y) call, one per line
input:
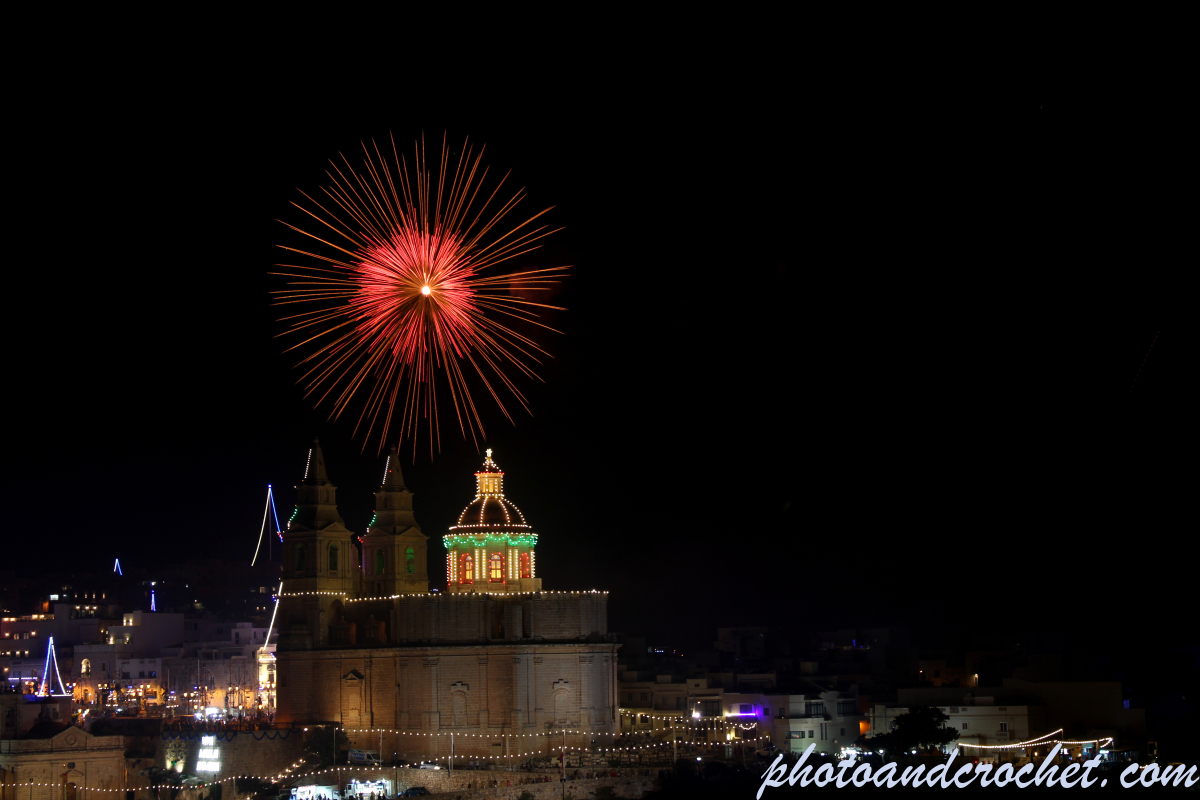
point(470, 689)
point(473, 617)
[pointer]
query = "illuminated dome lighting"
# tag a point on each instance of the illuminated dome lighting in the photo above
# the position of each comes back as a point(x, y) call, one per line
point(492, 546)
point(490, 510)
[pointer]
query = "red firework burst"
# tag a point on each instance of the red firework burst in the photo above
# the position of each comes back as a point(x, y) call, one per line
point(401, 300)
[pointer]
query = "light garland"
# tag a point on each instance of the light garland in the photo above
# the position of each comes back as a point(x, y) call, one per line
point(342, 595)
point(1038, 740)
point(552, 747)
point(492, 736)
point(287, 772)
point(1036, 743)
point(708, 724)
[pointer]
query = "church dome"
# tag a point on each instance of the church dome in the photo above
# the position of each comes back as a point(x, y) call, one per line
point(490, 510)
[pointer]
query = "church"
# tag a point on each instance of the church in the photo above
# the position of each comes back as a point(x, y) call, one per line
point(494, 660)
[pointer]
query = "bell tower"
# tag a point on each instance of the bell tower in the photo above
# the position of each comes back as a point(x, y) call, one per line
point(318, 552)
point(394, 551)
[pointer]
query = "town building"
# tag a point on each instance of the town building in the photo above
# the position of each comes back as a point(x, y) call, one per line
point(703, 709)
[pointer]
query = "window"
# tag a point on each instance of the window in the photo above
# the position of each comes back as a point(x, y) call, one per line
point(410, 561)
point(846, 708)
point(85, 667)
point(767, 711)
point(1004, 727)
point(643, 697)
point(299, 558)
point(964, 727)
point(525, 565)
point(379, 562)
point(812, 734)
point(464, 568)
point(745, 708)
point(815, 709)
point(496, 567)
point(333, 558)
point(843, 733)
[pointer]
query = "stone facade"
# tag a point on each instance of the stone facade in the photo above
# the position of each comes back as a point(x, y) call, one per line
point(65, 765)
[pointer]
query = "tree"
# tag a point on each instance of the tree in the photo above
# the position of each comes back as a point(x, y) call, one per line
point(922, 728)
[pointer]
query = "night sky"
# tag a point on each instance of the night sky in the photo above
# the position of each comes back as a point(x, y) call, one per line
point(831, 357)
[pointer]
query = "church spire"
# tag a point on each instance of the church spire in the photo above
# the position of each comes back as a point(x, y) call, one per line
point(394, 551)
point(314, 469)
point(393, 500)
point(393, 478)
point(316, 496)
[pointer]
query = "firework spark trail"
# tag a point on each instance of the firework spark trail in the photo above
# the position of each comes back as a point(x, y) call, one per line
point(399, 299)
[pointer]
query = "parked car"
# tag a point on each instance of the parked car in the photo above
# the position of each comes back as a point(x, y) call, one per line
point(415, 791)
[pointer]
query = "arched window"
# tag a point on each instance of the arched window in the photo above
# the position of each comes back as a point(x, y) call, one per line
point(410, 560)
point(496, 567)
point(525, 573)
point(465, 568)
point(379, 562)
point(85, 667)
point(333, 558)
point(300, 558)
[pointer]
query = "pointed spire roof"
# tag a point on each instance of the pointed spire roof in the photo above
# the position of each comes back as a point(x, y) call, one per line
point(314, 470)
point(393, 478)
point(393, 501)
point(316, 497)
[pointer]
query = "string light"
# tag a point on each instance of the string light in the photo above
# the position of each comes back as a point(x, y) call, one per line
point(1038, 742)
point(342, 595)
point(288, 771)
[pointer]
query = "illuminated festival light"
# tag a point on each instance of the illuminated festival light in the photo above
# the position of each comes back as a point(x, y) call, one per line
point(405, 300)
point(269, 508)
point(45, 687)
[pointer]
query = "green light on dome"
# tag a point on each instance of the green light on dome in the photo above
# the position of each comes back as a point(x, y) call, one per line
point(481, 539)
